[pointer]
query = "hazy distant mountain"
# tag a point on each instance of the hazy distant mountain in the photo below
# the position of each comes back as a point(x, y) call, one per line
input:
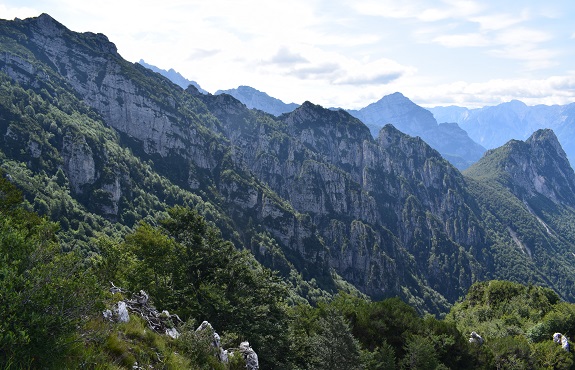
point(451, 113)
point(450, 140)
point(253, 98)
point(493, 126)
point(174, 76)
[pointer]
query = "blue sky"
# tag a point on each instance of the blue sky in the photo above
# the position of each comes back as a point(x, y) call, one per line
point(343, 53)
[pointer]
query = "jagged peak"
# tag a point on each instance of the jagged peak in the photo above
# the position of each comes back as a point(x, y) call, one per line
point(316, 115)
point(49, 27)
point(390, 129)
point(543, 135)
point(47, 24)
point(389, 135)
point(309, 111)
point(538, 165)
point(192, 90)
point(249, 89)
point(45, 17)
point(515, 103)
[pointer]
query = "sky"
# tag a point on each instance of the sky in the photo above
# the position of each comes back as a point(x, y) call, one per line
point(340, 53)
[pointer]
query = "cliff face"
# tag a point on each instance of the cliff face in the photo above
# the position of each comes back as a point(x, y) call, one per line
point(375, 203)
point(388, 214)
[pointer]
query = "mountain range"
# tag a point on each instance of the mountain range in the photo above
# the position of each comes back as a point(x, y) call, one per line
point(173, 76)
point(459, 134)
point(255, 99)
point(448, 138)
point(310, 193)
point(492, 126)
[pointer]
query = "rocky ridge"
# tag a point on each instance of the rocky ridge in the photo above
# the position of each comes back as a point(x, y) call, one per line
point(537, 166)
point(174, 76)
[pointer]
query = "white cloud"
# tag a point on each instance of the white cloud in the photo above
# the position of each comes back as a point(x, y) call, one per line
point(286, 57)
point(16, 11)
point(551, 90)
point(494, 22)
point(420, 10)
point(522, 36)
point(463, 40)
point(196, 54)
point(378, 72)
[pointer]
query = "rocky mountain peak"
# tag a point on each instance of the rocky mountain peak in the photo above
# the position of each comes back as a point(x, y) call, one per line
point(398, 110)
point(225, 104)
point(312, 115)
point(389, 135)
point(192, 90)
point(307, 112)
point(47, 30)
point(47, 25)
point(545, 137)
point(395, 98)
point(174, 76)
point(537, 166)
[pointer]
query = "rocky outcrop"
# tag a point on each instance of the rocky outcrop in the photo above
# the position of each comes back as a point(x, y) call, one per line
point(562, 340)
point(221, 354)
point(250, 356)
point(79, 162)
point(119, 313)
point(161, 322)
point(475, 338)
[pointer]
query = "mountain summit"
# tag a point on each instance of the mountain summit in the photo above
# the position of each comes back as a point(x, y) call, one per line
point(535, 167)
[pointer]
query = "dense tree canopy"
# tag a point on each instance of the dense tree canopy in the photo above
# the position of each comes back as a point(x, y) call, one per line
point(44, 293)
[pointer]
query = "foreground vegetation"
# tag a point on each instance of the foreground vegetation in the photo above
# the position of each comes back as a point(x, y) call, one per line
point(51, 303)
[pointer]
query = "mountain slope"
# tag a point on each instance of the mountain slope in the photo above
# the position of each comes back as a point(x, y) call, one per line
point(310, 192)
point(526, 191)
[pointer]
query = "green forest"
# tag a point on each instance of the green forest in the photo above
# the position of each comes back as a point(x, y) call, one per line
point(53, 299)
